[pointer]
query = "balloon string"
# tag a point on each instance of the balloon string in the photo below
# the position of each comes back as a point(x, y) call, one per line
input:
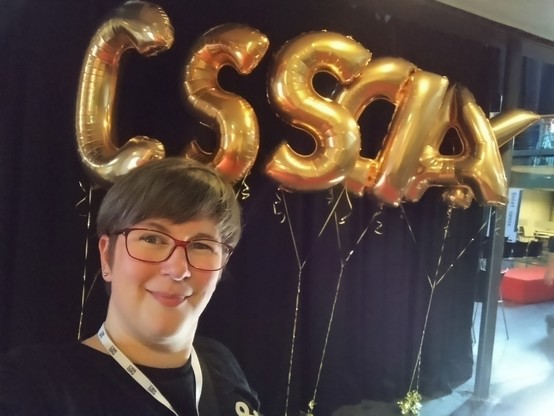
point(433, 285)
point(462, 252)
point(276, 210)
point(289, 223)
point(378, 230)
point(301, 264)
point(432, 282)
point(92, 285)
point(88, 199)
point(297, 300)
point(497, 230)
point(312, 403)
point(408, 224)
point(281, 200)
point(349, 202)
point(293, 340)
point(332, 212)
point(243, 190)
point(417, 367)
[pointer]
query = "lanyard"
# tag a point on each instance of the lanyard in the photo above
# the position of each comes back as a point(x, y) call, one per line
point(141, 378)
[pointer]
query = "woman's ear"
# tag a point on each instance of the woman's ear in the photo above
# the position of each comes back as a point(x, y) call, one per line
point(104, 249)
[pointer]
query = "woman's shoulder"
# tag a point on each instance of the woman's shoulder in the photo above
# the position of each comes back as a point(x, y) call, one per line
point(50, 361)
point(210, 346)
point(230, 385)
point(218, 357)
point(47, 352)
point(31, 354)
point(50, 373)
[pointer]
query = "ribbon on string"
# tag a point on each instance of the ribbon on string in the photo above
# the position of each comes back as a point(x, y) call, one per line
point(244, 189)
point(343, 218)
point(276, 206)
point(331, 200)
point(335, 203)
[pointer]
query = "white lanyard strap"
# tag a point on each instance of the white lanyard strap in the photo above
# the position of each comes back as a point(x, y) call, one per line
point(197, 371)
point(141, 378)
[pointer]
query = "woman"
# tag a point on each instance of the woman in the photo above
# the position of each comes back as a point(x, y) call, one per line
point(166, 230)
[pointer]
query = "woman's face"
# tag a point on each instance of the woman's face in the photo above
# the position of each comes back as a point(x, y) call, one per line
point(158, 303)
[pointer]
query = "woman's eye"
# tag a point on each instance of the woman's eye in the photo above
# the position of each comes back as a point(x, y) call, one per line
point(153, 239)
point(200, 245)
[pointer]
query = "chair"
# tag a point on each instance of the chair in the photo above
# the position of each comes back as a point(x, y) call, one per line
point(520, 249)
point(534, 248)
point(509, 248)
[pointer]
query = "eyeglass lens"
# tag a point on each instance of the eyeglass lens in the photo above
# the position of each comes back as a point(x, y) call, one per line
point(154, 246)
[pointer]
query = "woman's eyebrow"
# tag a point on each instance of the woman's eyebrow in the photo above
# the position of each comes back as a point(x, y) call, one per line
point(154, 224)
point(205, 235)
point(160, 227)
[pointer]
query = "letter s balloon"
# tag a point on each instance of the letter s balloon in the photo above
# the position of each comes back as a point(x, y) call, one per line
point(242, 48)
point(332, 126)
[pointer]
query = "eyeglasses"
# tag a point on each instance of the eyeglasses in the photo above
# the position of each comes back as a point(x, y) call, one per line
point(156, 247)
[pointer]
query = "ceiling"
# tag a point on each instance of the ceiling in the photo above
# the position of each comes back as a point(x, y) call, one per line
point(532, 16)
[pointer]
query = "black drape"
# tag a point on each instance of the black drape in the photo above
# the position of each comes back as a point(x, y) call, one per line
point(382, 300)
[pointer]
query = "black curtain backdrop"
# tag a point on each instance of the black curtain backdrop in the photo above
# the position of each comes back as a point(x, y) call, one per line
point(384, 292)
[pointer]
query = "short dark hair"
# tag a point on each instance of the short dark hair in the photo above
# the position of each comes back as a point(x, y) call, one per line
point(177, 189)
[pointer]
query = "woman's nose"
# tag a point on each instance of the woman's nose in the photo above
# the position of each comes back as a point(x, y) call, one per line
point(176, 266)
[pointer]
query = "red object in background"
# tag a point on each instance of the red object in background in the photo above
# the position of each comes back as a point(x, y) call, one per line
point(526, 285)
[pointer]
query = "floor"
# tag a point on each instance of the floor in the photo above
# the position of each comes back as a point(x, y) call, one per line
point(522, 377)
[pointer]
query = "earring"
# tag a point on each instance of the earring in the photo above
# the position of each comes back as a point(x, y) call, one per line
point(104, 273)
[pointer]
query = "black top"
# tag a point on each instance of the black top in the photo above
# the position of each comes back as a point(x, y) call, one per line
point(74, 379)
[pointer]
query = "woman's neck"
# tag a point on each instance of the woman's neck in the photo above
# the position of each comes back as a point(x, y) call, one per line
point(163, 355)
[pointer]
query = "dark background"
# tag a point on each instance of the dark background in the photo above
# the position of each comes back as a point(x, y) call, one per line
point(384, 290)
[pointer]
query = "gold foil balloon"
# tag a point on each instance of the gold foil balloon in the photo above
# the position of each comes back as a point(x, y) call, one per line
point(507, 125)
point(410, 161)
point(382, 78)
point(481, 164)
point(333, 127)
point(478, 166)
point(242, 48)
point(135, 25)
point(458, 197)
point(408, 137)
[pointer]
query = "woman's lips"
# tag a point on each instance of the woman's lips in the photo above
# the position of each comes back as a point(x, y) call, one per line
point(168, 299)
